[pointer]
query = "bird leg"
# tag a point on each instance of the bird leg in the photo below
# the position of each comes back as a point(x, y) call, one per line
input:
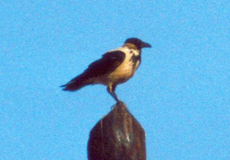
point(111, 90)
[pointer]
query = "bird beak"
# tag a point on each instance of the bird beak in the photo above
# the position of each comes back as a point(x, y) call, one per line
point(145, 45)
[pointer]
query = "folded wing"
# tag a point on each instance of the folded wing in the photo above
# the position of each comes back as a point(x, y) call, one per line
point(107, 64)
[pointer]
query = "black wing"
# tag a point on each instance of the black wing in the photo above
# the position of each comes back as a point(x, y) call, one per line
point(108, 63)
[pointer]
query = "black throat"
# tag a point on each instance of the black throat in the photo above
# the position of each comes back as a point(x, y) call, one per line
point(135, 59)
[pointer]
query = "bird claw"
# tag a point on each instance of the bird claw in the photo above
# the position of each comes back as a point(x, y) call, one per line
point(120, 103)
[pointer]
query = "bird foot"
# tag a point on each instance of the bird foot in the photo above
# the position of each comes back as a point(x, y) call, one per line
point(120, 103)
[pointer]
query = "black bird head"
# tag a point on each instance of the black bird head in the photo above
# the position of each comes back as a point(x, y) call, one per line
point(138, 43)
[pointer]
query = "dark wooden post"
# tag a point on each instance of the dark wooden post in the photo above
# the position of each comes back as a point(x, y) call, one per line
point(117, 136)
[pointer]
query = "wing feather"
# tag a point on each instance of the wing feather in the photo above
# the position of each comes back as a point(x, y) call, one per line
point(108, 63)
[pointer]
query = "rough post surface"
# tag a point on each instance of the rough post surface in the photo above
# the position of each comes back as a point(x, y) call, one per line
point(117, 136)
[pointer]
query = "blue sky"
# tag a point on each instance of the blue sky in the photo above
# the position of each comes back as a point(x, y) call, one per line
point(180, 94)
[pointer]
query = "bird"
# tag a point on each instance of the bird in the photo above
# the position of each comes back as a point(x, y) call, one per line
point(114, 67)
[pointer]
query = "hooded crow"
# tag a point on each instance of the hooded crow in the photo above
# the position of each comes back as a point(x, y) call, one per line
point(115, 67)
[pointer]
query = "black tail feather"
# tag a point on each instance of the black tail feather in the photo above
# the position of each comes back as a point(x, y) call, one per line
point(75, 84)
